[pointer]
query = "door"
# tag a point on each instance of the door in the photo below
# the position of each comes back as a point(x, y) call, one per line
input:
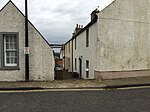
point(80, 67)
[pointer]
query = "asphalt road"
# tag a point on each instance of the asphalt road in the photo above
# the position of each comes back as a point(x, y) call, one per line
point(136, 100)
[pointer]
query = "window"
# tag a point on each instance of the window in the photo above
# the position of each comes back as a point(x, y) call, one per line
point(66, 48)
point(68, 62)
point(69, 47)
point(87, 68)
point(75, 43)
point(75, 64)
point(87, 38)
point(9, 50)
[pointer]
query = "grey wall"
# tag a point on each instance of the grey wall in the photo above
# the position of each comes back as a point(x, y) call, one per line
point(41, 55)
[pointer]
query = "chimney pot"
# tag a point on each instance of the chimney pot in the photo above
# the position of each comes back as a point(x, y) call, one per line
point(77, 26)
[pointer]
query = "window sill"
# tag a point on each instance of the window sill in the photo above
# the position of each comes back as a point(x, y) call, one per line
point(10, 68)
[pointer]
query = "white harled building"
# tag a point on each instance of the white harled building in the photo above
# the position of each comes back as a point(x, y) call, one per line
point(12, 42)
point(115, 44)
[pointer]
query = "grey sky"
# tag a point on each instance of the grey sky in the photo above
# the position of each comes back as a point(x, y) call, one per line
point(56, 19)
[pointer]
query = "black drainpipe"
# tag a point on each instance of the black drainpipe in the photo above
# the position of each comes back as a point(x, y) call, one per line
point(72, 55)
point(26, 43)
point(64, 57)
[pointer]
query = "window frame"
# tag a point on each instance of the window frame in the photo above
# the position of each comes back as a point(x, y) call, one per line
point(4, 66)
point(9, 50)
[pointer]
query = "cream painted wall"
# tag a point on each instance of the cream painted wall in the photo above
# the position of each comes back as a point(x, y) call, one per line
point(124, 34)
point(68, 56)
point(119, 41)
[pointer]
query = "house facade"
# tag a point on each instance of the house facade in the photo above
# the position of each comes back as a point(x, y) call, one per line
point(12, 42)
point(84, 51)
point(115, 43)
point(68, 52)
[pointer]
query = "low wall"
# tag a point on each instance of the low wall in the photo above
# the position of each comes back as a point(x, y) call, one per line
point(121, 74)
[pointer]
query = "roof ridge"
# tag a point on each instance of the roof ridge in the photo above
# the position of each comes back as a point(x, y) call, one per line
point(5, 5)
point(10, 1)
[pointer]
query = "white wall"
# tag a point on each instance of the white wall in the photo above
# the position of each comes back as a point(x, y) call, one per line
point(87, 53)
point(12, 21)
point(124, 34)
point(68, 56)
point(41, 55)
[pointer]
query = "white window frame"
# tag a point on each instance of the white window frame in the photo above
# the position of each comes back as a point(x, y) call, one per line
point(5, 56)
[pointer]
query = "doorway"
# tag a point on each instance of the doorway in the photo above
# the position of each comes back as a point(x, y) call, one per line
point(80, 67)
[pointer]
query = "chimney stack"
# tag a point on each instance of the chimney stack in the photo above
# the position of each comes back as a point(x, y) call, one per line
point(94, 14)
point(77, 29)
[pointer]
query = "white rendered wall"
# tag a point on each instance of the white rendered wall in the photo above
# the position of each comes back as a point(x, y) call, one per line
point(87, 53)
point(124, 34)
point(41, 55)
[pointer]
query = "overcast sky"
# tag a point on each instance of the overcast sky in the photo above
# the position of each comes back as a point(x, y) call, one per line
point(56, 19)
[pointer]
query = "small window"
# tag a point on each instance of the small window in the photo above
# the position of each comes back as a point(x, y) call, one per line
point(10, 50)
point(66, 48)
point(87, 68)
point(87, 38)
point(69, 62)
point(69, 47)
point(75, 64)
point(87, 63)
point(75, 43)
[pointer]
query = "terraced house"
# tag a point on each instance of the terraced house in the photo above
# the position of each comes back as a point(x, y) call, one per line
point(12, 43)
point(115, 44)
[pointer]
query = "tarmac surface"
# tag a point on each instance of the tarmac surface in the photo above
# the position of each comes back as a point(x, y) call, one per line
point(128, 100)
point(76, 84)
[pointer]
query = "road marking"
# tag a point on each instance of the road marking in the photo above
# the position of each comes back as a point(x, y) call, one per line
point(72, 90)
point(128, 88)
point(49, 90)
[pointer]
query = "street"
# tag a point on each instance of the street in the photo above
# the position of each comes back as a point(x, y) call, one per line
point(132, 100)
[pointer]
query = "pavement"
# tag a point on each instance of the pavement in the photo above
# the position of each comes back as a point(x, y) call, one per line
point(126, 82)
point(77, 84)
point(57, 84)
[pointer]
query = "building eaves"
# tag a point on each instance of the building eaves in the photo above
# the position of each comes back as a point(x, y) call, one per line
point(86, 27)
point(68, 41)
point(24, 17)
point(82, 30)
point(90, 24)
